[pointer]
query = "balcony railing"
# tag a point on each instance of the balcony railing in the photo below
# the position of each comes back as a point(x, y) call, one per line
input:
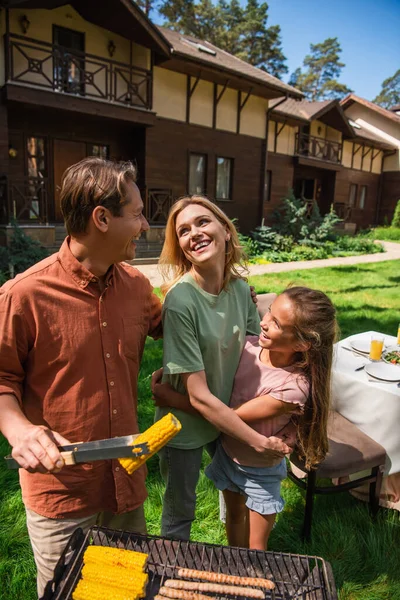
point(319, 148)
point(26, 200)
point(53, 67)
point(157, 205)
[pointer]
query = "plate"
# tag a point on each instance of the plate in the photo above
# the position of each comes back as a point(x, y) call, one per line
point(389, 351)
point(361, 345)
point(383, 371)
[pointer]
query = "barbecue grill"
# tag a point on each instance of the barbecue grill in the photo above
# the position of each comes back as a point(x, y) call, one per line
point(295, 576)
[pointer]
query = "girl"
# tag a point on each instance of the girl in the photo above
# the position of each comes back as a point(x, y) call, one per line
point(286, 370)
point(206, 314)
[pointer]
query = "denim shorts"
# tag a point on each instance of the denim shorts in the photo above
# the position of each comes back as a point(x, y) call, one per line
point(260, 485)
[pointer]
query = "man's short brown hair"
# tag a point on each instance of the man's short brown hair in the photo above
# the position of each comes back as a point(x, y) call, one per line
point(93, 182)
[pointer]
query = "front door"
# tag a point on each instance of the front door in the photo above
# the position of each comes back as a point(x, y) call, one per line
point(66, 153)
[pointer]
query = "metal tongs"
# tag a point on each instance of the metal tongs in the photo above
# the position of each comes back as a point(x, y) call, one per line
point(83, 452)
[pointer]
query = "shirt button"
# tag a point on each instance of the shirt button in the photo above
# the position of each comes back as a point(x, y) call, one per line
point(115, 411)
point(111, 383)
point(117, 468)
point(108, 355)
point(104, 323)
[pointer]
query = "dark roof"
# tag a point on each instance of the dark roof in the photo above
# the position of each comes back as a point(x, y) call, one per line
point(352, 98)
point(206, 53)
point(328, 111)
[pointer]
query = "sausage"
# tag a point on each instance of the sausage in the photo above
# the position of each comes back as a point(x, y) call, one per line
point(234, 590)
point(224, 578)
point(166, 592)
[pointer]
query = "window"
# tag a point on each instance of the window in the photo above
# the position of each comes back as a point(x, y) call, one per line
point(98, 150)
point(363, 196)
point(36, 167)
point(224, 178)
point(353, 194)
point(267, 186)
point(197, 173)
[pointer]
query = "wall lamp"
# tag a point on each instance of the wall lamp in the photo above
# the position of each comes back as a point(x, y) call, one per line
point(24, 23)
point(111, 48)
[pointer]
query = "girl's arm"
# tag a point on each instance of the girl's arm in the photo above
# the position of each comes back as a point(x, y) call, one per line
point(225, 419)
point(265, 407)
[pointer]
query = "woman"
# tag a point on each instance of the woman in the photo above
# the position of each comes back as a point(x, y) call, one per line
point(206, 315)
point(284, 371)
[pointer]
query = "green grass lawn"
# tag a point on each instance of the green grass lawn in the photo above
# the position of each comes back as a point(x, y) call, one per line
point(365, 555)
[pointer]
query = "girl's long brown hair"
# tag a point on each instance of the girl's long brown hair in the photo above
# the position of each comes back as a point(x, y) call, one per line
point(315, 326)
point(173, 263)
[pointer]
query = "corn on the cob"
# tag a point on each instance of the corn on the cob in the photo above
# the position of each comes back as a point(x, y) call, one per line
point(133, 581)
point(117, 557)
point(91, 590)
point(156, 437)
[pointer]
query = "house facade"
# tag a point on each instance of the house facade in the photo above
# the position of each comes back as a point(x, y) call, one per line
point(100, 79)
point(95, 79)
point(327, 153)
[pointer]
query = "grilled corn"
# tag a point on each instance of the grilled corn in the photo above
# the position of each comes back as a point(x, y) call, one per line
point(156, 437)
point(116, 557)
point(132, 581)
point(92, 590)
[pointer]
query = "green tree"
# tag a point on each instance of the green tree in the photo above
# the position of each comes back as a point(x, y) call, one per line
point(396, 217)
point(240, 30)
point(322, 68)
point(146, 5)
point(390, 92)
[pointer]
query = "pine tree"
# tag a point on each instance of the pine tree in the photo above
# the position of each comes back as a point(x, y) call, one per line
point(322, 68)
point(146, 6)
point(390, 92)
point(241, 31)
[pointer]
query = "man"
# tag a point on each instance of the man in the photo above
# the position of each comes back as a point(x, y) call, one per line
point(73, 329)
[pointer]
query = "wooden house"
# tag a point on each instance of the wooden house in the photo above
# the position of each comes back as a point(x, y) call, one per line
point(99, 78)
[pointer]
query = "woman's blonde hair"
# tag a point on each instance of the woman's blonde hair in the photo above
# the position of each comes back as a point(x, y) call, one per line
point(315, 326)
point(173, 262)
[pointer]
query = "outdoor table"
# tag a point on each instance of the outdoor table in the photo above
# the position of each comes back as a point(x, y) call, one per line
point(374, 407)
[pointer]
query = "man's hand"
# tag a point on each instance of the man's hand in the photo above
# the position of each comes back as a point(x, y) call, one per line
point(156, 377)
point(34, 447)
point(253, 294)
point(162, 393)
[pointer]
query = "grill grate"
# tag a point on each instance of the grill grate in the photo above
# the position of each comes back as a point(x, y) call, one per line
point(295, 576)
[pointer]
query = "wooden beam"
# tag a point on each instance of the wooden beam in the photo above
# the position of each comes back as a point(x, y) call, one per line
point(217, 98)
point(240, 107)
point(189, 93)
point(278, 131)
point(354, 152)
point(364, 154)
point(373, 158)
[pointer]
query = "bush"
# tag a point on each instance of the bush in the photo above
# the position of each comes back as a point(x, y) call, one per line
point(391, 234)
point(342, 246)
point(396, 217)
point(20, 254)
point(294, 219)
point(268, 239)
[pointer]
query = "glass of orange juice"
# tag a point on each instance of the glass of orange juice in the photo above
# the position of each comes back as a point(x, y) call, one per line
point(398, 335)
point(375, 351)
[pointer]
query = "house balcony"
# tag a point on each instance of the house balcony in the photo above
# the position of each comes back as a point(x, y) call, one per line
point(41, 65)
point(309, 146)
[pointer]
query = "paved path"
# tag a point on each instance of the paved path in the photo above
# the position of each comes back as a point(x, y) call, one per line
point(392, 253)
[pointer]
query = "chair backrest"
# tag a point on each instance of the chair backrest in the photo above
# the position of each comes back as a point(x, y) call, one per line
point(264, 301)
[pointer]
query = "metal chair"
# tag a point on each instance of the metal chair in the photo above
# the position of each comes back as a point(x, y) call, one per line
point(350, 451)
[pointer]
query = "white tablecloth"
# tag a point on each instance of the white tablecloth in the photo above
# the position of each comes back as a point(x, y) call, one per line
point(371, 405)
